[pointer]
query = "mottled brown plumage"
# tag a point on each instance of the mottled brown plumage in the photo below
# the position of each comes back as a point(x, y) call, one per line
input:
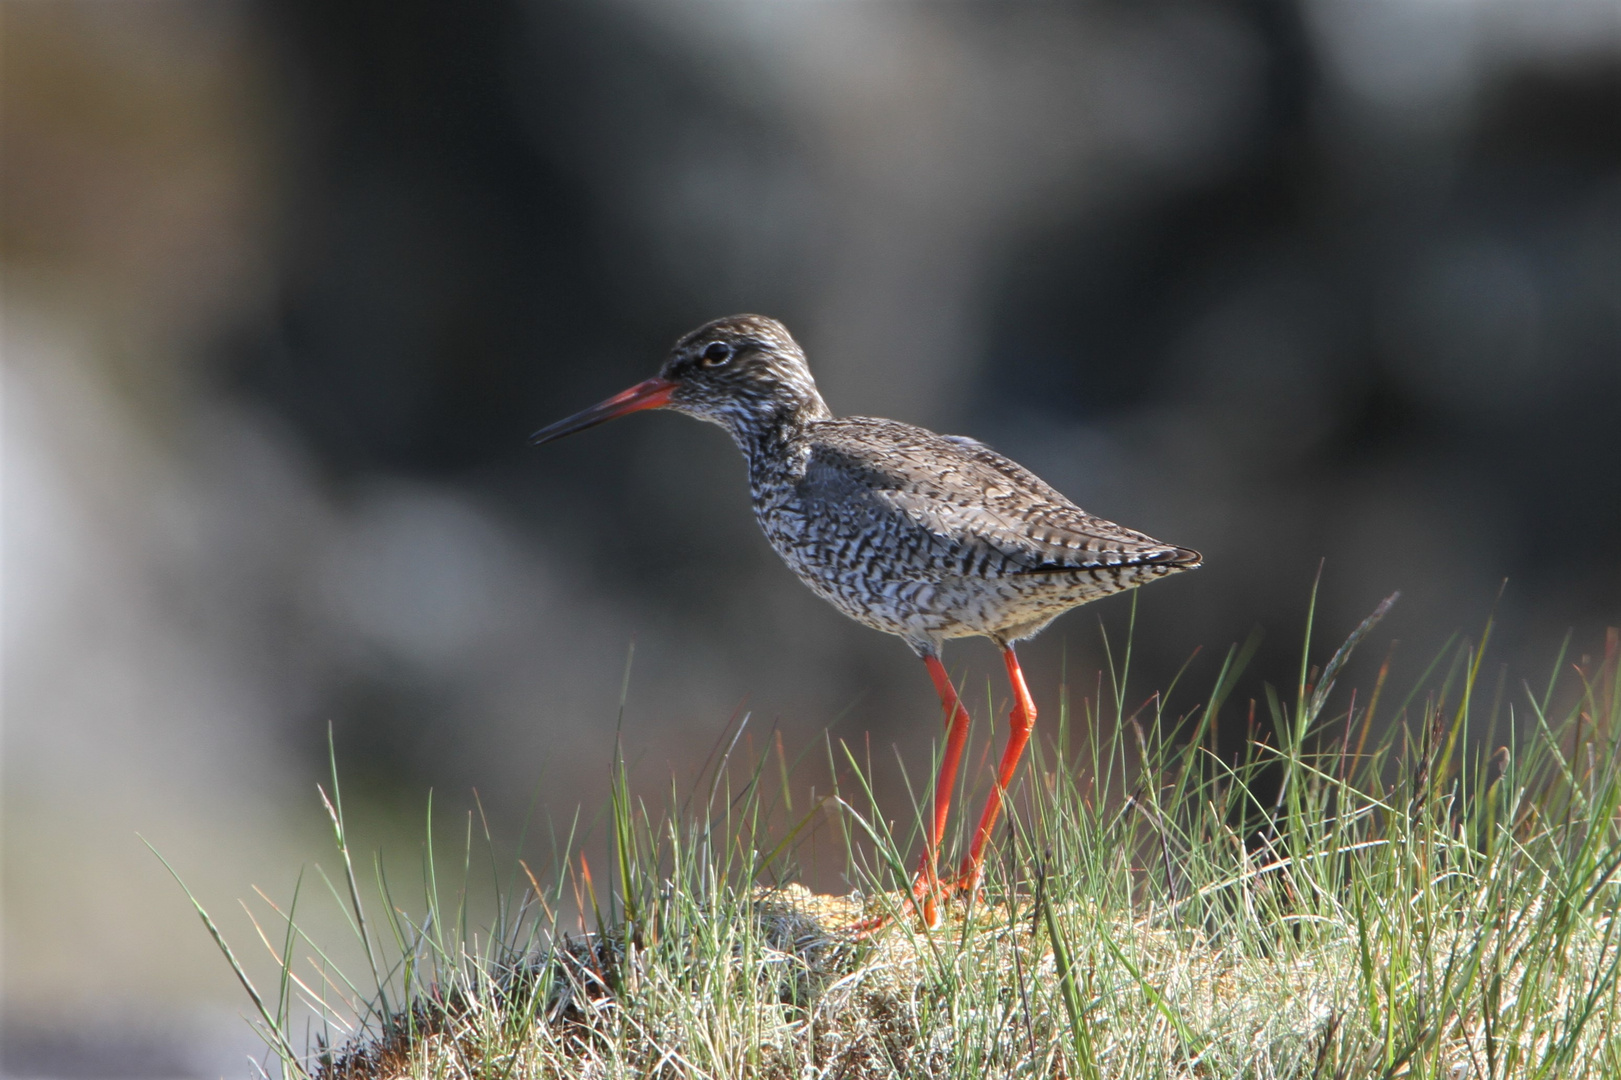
point(920, 535)
point(932, 537)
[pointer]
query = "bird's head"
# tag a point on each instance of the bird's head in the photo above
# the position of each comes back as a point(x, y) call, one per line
point(743, 372)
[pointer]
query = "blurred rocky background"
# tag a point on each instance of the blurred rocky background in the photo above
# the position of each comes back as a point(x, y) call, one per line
point(286, 285)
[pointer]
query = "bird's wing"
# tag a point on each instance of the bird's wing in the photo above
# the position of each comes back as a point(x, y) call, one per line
point(964, 493)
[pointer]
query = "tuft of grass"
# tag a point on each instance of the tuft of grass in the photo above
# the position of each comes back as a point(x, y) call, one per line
point(1422, 887)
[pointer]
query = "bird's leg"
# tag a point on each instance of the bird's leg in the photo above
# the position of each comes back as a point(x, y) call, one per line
point(927, 883)
point(1020, 721)
point(926, 887)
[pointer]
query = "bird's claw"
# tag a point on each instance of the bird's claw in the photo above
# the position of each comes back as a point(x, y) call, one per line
point(928, 896)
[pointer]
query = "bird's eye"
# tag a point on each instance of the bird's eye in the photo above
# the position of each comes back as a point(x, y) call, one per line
point(715, 354)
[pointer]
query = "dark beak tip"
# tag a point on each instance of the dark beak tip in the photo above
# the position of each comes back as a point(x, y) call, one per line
point(650, 394)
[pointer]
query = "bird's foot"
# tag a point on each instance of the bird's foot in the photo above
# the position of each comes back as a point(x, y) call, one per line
point(928, 896)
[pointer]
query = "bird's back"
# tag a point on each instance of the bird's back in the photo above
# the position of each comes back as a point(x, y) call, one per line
point(933, 536)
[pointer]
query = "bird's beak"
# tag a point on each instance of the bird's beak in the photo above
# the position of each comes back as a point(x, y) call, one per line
point(652, 394)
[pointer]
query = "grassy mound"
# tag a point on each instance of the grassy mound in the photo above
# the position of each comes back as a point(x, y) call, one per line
point(1438, 900)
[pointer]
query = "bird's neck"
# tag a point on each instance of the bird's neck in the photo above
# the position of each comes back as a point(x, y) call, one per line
point(765, 436)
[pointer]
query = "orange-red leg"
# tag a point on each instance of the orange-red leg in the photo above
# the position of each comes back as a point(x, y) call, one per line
point(928, 871)
point(1020, 722)
point(926, 887)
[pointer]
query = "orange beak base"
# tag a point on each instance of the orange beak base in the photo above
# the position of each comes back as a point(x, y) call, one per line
point(652, 394)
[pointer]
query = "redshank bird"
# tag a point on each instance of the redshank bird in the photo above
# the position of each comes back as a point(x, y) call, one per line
point(923, 536)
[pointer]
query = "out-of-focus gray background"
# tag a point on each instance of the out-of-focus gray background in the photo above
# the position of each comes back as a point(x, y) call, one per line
point(288, 284)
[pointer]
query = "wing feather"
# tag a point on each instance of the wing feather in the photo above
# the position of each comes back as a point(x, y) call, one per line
point(964, 493)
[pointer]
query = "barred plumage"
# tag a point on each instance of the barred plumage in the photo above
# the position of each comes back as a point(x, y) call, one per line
point(931, 537)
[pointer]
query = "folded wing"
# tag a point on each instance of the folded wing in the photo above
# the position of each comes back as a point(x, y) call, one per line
point(974, 501)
